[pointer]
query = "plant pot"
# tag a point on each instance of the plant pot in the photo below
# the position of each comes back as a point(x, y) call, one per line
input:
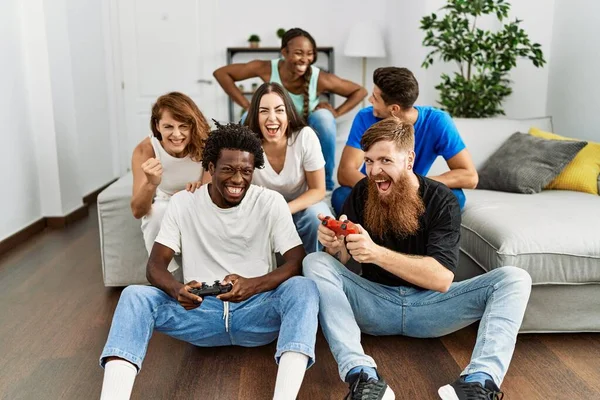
point(254, 45)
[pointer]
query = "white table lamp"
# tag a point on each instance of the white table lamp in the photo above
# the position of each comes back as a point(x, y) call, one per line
point(365, 41)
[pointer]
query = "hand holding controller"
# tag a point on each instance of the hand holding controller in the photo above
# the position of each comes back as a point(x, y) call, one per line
point(341, 228)
point(212, 290)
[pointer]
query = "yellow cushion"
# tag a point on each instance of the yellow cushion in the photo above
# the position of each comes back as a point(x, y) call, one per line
point(581, 174)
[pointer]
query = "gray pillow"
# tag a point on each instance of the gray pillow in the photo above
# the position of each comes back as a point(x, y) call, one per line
point(526, 163)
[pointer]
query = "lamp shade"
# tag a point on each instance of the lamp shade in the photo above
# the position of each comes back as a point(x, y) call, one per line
point(364, 40)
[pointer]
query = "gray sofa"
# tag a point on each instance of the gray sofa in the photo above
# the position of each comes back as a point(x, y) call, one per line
point(124, 255)
point(554, 235)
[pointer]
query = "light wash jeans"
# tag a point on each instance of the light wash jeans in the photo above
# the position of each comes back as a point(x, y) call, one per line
point(289, 311)
point(307, 224)
point(323, 123)
point(339, 196)
point(351, 304)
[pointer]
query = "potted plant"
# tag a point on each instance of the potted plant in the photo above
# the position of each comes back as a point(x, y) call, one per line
point(254, 41)
point(280, 33)
point(484, 58)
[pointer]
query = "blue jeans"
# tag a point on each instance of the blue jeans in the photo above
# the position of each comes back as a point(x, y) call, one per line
point(289, 311)
point(339, 196)
point(323, 123)
point(307, 224)
point(350, 304)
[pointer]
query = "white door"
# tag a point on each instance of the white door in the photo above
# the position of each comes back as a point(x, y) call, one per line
point(164, 46)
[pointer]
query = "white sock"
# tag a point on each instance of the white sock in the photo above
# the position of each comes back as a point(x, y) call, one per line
point(119, 376)
point(290, 374)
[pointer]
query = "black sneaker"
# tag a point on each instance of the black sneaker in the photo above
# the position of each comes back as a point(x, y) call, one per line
point(461, 390)
point(365, 388)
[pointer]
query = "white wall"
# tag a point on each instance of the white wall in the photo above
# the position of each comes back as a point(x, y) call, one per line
point(20, 201)
point(88, 73)
point(529, 83)
point(61, 83)
point(573, 92)
point(53, 108)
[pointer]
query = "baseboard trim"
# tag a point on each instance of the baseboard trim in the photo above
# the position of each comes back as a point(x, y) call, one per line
point(23, 235)
point(63, 222)
point(51, 222)
point(93, 196)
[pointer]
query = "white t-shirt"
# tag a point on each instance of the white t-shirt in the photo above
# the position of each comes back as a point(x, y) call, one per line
point(215, 242)
point(303, 155)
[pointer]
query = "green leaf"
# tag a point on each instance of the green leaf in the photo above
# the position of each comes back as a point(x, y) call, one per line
point(486, 56)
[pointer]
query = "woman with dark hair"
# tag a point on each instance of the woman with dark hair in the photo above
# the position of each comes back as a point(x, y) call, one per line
point(304, 83)
point(167, 161)
point(294, 164)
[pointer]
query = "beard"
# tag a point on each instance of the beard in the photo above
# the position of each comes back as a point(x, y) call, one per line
point(397, 212)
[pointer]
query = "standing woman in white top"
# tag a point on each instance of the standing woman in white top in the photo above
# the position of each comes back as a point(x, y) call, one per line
point(294, 163)
point(167, 161)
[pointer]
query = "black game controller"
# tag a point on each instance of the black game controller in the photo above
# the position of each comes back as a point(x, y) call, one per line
point(213, 290)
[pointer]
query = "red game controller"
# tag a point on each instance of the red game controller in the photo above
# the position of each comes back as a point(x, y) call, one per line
point(341, 228)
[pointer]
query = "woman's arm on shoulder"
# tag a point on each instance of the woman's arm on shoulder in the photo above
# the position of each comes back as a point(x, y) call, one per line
point(228, 75)
point(353, 92)
point(143, 190)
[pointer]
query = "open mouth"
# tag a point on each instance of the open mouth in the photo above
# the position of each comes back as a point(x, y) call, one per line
point(272, 129)
point(301, 68)
point(383, 185)
point(177, 142)
point(234, 191)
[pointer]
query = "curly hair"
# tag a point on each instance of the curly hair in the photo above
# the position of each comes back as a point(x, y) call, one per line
point(289, 35)
point(183, 109)
point(397, 85)
point(233, 137)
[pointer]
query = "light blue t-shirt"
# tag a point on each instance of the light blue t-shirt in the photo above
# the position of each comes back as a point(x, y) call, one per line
point(435, 135)
point(298, 99)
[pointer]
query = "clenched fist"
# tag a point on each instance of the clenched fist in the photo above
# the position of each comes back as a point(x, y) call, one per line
point(153, 170)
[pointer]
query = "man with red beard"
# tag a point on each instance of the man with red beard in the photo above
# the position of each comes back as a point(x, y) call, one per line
point(407, 250)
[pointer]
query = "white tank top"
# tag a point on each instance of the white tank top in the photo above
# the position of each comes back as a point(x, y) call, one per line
point(177, 172)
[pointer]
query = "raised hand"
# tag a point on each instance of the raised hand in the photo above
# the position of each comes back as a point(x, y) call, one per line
point(153, 170)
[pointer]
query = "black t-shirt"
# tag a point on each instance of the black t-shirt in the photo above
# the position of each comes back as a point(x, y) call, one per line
point(438, 235)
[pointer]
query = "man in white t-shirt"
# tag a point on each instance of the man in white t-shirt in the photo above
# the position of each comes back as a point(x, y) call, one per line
point(227, 230)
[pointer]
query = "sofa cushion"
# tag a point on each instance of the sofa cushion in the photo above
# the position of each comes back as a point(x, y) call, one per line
point(526, 164)
point(483, 136)
point(553, 234)
point(582, 173)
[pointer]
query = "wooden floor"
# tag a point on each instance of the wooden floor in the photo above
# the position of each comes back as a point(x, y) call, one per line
point(55, 315)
